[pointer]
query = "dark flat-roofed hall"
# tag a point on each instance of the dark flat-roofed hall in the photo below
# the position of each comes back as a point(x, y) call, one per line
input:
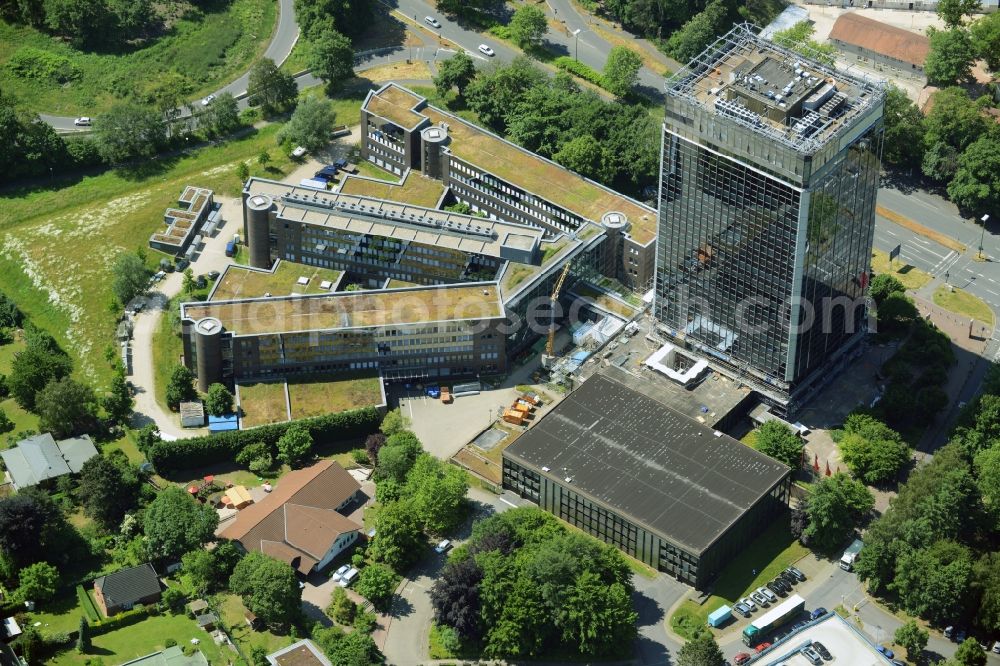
point(627, 468)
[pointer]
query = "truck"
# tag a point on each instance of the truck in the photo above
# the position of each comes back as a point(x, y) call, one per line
point(757, 631)
point(851, 554)
point(719, 616)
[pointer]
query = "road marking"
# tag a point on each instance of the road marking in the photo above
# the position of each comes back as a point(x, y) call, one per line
point(506, 502)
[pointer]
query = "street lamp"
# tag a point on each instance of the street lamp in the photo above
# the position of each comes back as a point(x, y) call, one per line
point(982, 236)
point(576, 44)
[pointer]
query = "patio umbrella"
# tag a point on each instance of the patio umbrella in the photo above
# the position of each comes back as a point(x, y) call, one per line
point(816, 463)
point(828, 468)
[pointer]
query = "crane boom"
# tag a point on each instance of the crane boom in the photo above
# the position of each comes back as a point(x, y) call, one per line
point(551, 343)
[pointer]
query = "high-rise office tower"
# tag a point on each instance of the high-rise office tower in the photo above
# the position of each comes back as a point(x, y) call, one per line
point(768, 179)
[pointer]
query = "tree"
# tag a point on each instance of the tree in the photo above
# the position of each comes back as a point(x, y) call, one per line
point(331, 58)
point(872, 450)
point(884, 284)
point(83, 636)
point(702, 650)
point(219, 400)
point(341, 608)
point(911, 638)
point(200, 570)
point(188, 284)
point(129, 277)
point(985, 33)
point(175, 523)
point(455, 598)
point(393, 422)
point(954, 120)
point(951, 57)
point(66, 408)
point(976, 185)
point(496, 92)
point(986, 588)
point(584, 155)
point(38, 582)
point(243, 172)
point(118, 402)
point(397, 456)
point(799, 39)
point(268, 587)
point(932, 581)
point(836, 503)
point(895, 314)
point(376, 583)
point(30, 523)
point(968, 654)
point(109, 488)
point(10, 315)
point(33, 369)
point(356, 649)
point(128, 131)
point(699, 31)
point(952, 11)
point(398, 540)
point(223, 114)
point(598, 617)
point(904, 130)
point(6, 425)
point(437, 490)
point(373, 443)
point(269, 87)
point(180, 387)
point(621, 70)
point(987, 467)
point(776, 440)
point(528, 25)
point(294, 445)
point(310, 125)
point(455, 72)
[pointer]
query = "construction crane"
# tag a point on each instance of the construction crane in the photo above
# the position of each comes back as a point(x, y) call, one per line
point(547, 357)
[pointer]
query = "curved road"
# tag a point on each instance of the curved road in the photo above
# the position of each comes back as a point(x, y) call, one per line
point(284, 38)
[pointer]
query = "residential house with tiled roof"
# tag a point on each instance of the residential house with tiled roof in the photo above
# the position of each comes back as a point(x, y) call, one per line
point(40, 457)
point(125, 588)
point(300, 521)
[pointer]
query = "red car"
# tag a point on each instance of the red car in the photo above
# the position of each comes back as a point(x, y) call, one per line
point(763, 646)
point(741, 658)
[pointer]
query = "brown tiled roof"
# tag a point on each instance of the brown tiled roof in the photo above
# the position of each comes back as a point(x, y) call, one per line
point(903, 45)
point(298, 519)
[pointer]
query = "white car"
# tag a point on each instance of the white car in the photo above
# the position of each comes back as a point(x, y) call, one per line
point(485, 50)
point(349, 577)
point(767, 594)
point(443, 546)
point(749, 603)
point(207, 100)
point(299, 151)
point(82, 121)
point(430, 20)
point(339, 573)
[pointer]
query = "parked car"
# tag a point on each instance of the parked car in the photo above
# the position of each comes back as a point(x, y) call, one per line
point(886, 651)
point(207, 99)
point(783, 583)
point(747, 601)
point(741, 658)
point(742, 609)
point(799, 576)
point(763, 646)
point(996, 647)
point(776, 588)
point(788, 578)
point(897, 662)
point(960, 636)
point(339, 573)
point(444, 545)
point(759, 598)
point(823, 652)
point(213, 275)
point(485, 50)
point(949, 631)
point(82, 121)
point(819, 612)
point(431, 21)
point(182, 263)
point(348, 577)
point(812, 656)
point(298, 151)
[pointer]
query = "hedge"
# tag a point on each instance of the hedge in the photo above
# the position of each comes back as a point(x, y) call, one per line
point(211, 449)
point(87, 604)
point(577, 68)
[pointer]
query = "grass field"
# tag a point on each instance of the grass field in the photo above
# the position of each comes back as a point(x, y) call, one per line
point(772, 552)
point(313, 398)
point(262, 403)
point(140, 639)
point(416, 189)
point(238, 282)
point(912, 278)
point(99, 217)
point(200, 52)
point(963, 303)
point(232, 611)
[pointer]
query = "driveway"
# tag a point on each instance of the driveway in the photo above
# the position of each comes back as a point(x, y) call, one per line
point(653, 598)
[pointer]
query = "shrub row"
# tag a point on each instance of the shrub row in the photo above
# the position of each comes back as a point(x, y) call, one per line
point(577, 68)
point(87, 604)
point(125, 619)
point(180, 454)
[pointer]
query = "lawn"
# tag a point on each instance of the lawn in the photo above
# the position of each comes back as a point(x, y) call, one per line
point(416, 189)
point(963, 303)
point(313, 398)
point(912, 278)
point(198, 54)
point(232, 612)
point(60, 615)
point(68, 293)
point(239, 282)
point(772, 552)
point(262, 403)
point(137, 640)
point(366, 168)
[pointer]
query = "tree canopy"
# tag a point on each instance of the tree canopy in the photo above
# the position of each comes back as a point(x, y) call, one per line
point(702, 650)
point(953, 11)
point(129, 277)
point(985, 33)
point(180, 387)
point(912, 638)
point(951, 57)
point(309, 125)
point(776, 440)
point(268, 587)
point(30, 525)
point(127, 132)
point(873, 451)
point(976, 185)
point(331, 58)
point(621, 70)
point(34, 367)
point(455, 72)
point(269, 87)
point(528, 25)
point(834, 506)
point(37, 582)
point(219, 400)
point(175, 523)
point(376, 583)
point(699, 31)
point(66, 407)
point(295, 445)
point(904, 129)
point(109, 488)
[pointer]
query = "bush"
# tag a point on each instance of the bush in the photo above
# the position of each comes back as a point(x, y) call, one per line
point(87, 604)
point(577, 68)
point(31, 63)
point(201, 451)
